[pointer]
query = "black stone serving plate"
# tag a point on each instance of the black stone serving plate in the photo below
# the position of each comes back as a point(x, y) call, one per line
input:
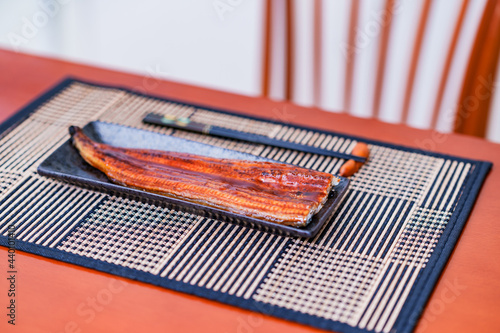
point(66, 164)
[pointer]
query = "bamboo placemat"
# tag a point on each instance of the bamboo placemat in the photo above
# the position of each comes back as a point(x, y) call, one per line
point(371, 268)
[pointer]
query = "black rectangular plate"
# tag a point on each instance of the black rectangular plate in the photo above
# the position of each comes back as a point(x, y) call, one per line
point(66, 164)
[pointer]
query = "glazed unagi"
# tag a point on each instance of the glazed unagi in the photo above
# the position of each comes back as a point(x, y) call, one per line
point(275, 192)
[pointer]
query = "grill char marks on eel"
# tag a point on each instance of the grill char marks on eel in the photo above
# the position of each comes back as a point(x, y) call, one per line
point(270, 191)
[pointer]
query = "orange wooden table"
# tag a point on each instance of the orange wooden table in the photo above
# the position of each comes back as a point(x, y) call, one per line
point(59, 297)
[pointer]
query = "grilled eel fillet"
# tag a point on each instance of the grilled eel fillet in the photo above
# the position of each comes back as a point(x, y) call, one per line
point(275, 192)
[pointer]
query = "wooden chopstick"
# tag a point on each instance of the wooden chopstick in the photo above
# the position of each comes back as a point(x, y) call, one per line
point(188, 125)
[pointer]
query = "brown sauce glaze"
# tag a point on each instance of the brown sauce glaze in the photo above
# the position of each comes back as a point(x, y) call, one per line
point(275, 192)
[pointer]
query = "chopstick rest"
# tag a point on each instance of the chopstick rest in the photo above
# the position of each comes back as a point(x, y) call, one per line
point(350, 167)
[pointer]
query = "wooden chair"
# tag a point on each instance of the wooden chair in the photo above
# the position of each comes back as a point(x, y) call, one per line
point(429, 64)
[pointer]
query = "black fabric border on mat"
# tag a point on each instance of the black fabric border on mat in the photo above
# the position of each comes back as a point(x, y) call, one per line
point(413, 306)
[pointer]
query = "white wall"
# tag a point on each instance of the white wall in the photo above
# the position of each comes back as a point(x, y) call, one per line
point(218, 44)
point(213, 43)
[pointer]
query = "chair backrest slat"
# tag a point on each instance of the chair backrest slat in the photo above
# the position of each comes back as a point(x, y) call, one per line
point(477, 92)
